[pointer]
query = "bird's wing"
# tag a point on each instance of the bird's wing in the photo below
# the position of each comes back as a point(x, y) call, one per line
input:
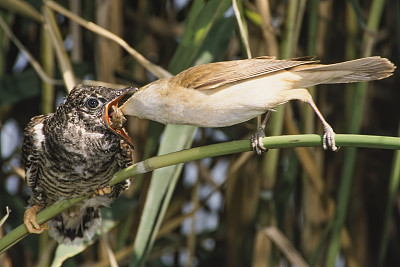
point(212, 75)
point(124, 159)
point(31, 151)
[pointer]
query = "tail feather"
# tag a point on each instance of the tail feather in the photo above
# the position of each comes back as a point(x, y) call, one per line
point(73, 229)
point(358, 70)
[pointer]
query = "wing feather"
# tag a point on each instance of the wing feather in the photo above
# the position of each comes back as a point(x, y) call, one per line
point(212, 75)
point(31, 151)
point(124, 160)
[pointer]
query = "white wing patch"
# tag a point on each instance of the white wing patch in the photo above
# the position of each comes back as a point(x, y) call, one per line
point(38, 134)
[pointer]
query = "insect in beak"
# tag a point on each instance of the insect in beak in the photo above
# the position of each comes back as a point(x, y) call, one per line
point(114, 118)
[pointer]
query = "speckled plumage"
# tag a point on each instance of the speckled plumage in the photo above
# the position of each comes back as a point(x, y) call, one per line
point(72, 152)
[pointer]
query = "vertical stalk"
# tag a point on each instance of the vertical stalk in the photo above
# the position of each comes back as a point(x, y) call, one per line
point(47, 56)
point(62, 55)
point(76, 31)
point(310, 198)
point(2, 48)
point(392, 191)
point(271, 160)
point(288, 47)
point(311, 50)
point(395, 174)
point(267, 28)
point(351, 53)
point(355, 125)
point(244, 35)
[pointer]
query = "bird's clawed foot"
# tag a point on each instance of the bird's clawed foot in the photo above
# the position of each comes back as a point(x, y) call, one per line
point(31, 223)
point(256, 142)
point(102, 191)
point(328, 140)
point(256, 139)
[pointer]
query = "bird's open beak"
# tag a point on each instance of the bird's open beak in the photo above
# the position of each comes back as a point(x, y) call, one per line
point(114, 119)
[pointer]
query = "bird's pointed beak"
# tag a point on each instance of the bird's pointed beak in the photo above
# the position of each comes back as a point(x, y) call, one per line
point(114, 118)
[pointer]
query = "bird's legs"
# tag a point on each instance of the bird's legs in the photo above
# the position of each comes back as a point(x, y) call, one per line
point(328, 139)
point(256, 139)
point(30, 220)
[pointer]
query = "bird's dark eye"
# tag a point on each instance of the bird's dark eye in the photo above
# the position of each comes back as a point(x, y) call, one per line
point(92, 103)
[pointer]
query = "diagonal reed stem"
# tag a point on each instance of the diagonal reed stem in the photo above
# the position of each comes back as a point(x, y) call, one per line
point(227, 148)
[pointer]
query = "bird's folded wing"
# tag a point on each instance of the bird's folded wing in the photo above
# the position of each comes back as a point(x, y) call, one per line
point(212, 75)
point(30, 153)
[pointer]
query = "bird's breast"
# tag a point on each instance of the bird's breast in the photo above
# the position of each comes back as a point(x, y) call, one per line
point(91, 143)
point(76, 161)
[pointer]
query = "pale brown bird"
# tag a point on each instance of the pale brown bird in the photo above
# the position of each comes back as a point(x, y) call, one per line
point(227, 93)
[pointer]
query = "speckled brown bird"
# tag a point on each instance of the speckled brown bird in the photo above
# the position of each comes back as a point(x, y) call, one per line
point(72, 152)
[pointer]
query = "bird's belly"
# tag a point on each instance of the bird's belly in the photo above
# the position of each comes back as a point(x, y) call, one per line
point(70, 180)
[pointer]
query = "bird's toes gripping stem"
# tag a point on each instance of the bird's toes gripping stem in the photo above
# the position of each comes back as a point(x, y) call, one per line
point(328, 140)
point(31, 223)
point(102, 191)
point(256, 142)
point(256, 139)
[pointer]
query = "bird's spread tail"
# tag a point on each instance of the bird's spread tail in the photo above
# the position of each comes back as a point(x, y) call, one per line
point(358, 70)
point(75, 227)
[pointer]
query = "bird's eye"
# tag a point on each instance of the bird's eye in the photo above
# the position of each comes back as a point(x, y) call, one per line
point(92, 103)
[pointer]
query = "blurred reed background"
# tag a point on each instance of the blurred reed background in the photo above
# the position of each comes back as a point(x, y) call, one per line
point(289, 207)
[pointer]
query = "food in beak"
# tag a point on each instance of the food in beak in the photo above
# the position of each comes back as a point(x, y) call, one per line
point(114, 118)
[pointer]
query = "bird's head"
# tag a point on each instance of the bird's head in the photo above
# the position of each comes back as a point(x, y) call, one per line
point(93, 107)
